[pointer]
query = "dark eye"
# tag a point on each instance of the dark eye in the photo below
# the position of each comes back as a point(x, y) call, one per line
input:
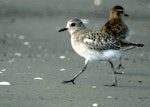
point(120, 12)
point(73, 24)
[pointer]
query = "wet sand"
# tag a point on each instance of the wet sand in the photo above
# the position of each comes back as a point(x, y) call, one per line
point(35, 58)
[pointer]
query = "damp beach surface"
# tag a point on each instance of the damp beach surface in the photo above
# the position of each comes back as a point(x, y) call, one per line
point(35, 58)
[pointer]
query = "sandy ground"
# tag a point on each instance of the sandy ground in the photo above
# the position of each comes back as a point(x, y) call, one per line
point(35, 58)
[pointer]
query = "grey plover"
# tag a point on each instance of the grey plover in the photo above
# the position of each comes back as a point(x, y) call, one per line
point(95, 46)
point(116, 27)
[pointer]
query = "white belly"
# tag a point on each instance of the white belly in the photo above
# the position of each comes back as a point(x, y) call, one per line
point(102, 56)
point(93, 55)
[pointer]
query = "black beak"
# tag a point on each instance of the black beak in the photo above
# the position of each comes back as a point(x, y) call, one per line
point(126, 15)
point(63, 29)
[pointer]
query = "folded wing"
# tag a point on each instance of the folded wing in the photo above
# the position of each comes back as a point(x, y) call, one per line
point(100, 41)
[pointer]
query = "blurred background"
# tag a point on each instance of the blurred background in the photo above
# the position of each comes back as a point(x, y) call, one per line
point(35, 58)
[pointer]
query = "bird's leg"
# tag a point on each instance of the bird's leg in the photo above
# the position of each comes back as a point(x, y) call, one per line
point(80, 72)
point(120, 64)
point(113, 73)
point(119, 67)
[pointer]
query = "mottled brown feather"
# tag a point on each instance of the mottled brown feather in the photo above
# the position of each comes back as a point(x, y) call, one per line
point(115, 26)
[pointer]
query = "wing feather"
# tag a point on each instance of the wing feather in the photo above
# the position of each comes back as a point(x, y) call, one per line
point(100, 41)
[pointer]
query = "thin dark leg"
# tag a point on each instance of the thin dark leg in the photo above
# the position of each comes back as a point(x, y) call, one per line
point(113, 73)
point(80, 72)
point(119, 66)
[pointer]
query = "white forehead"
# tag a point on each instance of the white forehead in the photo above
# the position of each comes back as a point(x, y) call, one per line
point(76, 21)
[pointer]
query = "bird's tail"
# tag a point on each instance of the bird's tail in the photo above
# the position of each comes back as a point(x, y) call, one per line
point(126, 44)
point(130, 45)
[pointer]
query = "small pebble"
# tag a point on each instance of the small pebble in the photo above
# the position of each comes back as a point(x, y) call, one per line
point(26, 43)
point(11, 60)
point(62, 69)
point(21, 37)
point(97, 2)
point(38, 78)
point(62, 57)
point(4, 83)
point(109, 96)
point(3, 70)
point(17, 54)
point(93, 86)
point(95, 105)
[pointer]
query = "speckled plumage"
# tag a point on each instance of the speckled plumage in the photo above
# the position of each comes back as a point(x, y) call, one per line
point(97, 41)
point(93, 45)
point(115, 26)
